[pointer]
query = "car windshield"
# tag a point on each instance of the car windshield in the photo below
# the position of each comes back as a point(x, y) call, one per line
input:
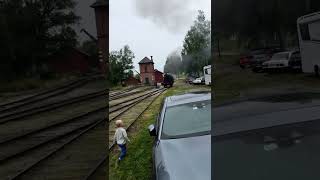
point(280, 56)
point(187, 120)
point(286, 152)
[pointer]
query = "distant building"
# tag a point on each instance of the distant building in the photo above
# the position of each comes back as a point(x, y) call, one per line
point(147, 75)
point(72, 61)
point(158, 75)
point(131, 81)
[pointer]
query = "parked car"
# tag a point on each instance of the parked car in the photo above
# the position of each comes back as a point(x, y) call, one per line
point(295, 62)
point(182, 145)
point(189, 79)
point(255, 57)
point(289, 60)
point(199, 80)
point(259, 59)
point(276, 138)
point(168, 80)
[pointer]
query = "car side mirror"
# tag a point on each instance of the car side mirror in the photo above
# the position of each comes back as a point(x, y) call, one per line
point(152, 130)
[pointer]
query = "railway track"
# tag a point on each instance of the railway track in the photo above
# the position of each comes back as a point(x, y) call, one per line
point(129, 101)
point(128, 93)
point(6, 107)
point(116, 107)
point(32, 148)
point(98, 171)
point(20, 114)
point(111, 94)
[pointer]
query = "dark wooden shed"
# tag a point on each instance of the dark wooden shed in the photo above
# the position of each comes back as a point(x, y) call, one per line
point(71, 61)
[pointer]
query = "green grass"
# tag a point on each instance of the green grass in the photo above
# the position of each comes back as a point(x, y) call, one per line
point(230, 81)
point(138, 163)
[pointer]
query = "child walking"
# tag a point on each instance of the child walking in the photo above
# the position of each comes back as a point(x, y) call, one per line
point(121, 138)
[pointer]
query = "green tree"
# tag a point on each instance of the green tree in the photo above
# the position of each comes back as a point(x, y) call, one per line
point(195, 52)
point(263, 22)
point(33, 30)
point(120, 64)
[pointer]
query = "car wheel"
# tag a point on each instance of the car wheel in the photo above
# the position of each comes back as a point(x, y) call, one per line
point(316, 70)
point(153, 173)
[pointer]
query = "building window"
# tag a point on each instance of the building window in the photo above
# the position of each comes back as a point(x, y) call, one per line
point(305, 34)
point(145, 68)
point(314, 31)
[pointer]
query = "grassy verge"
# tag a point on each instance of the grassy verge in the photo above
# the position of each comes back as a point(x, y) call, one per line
point(231, 82)
point(138, 163)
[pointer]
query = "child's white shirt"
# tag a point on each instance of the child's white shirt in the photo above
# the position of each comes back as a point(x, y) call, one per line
point(120, 136)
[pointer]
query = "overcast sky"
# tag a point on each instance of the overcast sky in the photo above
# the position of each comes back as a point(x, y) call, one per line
point(87, 21)
point(152, 27)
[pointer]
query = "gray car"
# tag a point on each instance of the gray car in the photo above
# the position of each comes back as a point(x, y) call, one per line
point(272, 137)
point(182, 147)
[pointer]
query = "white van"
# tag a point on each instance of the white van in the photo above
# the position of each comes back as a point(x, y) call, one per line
point(207, 74)
point(309, 42)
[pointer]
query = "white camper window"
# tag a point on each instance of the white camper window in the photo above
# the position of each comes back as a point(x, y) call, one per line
point(314, 30)
point(305, 34)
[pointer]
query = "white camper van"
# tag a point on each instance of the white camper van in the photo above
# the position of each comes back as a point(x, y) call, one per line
point(207, 74)
point(309, 42)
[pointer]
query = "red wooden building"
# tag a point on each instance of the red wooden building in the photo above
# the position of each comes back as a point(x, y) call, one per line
point(158, 76)
point(72, 61)
point(131, 81)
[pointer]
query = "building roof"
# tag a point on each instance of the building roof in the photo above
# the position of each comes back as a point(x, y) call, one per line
point(156, 70)
point(146, 60)
point(99, 3)
point(67, 52)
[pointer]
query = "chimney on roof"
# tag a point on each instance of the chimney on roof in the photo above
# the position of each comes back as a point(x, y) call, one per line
point(151, 58)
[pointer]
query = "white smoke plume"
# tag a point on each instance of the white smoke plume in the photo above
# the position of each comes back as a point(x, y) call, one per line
point(175, 15)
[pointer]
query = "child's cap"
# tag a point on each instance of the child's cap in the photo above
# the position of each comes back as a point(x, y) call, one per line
point(119, 123)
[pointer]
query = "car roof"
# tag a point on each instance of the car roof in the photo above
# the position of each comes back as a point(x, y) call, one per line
point(188, 98)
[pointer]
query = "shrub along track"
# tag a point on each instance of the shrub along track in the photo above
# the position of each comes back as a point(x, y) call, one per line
point(21, 154)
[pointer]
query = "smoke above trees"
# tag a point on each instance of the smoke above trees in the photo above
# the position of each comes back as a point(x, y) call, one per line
point(170, 14)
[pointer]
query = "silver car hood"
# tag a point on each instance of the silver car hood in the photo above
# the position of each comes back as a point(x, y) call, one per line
point(275, 61)
point(186, 158)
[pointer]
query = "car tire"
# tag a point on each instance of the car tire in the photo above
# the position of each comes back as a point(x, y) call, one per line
point(153, 173)
point(316, 70)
